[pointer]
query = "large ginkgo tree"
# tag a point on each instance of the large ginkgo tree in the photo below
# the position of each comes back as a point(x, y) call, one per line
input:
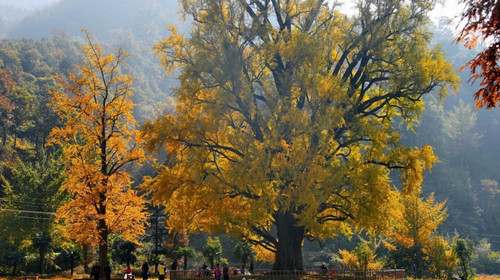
point(288, 117)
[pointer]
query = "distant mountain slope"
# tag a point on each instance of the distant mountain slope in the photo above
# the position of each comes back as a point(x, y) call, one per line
point(9, 13)
point(106, 19)
point(135, 25)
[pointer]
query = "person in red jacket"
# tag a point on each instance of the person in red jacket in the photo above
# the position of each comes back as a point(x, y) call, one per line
point(217, 272)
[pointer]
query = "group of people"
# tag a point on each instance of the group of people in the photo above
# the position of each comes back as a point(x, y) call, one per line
point(96, 271)
point(162, 270)
point(205, 271)
point(225, 272)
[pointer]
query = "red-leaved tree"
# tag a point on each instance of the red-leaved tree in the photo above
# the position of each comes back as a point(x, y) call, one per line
point(482, 22)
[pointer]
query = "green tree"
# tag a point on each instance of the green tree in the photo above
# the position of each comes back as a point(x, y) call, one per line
point(11, 255)
point(486, 260)
point(7, 84)
point(243, 252)
point(459, 127)
point(185, 253)
point(212, 251)
point(27, 67)
point(286, 114)
point(123, 252)
point(464, 250)
point(42, 242)
point(68, 258)
point(156, 235)
point(30, 197)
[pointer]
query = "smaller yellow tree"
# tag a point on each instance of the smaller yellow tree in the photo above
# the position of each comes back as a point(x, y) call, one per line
point(420, 220)
point(361, 258)
point(98, 140)
point(441, 258)
point(412, 237)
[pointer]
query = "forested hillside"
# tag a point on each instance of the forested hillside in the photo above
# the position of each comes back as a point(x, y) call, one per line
point(465, 139)
point(49, 41)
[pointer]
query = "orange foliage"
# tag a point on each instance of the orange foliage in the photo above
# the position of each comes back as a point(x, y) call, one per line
point(482, 18)
point(98, 139)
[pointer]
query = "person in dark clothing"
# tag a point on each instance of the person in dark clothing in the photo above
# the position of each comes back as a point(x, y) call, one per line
point(323, 269)
point(225, 272)
point(174, 265)
point(204, 271)
point(251, 267)
point(96, 270)
point(145, 271)
point(107, 271)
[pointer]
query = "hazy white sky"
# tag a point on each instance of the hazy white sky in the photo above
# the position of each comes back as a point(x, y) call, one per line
point(27, 4)
point(444, 8)
point(447, 8)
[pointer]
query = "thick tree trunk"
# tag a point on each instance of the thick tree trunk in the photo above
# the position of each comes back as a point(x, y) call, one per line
point(42, 256)
point(103, 245)
point(86, 257)
point(72, 260)
point(290, 236)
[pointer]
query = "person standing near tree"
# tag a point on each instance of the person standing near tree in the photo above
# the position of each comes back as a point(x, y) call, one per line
point(174, 265)
point(225, 272)
point(161, 271)
point(107, 271)
point(128, 273)
point(323, 269)
point(96, 270)
point(204, 269)
point(145, 271)
point(217, 272)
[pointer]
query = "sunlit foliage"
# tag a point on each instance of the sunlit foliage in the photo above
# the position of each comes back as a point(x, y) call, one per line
point(98, 140)
point(441, 257)
point(414, 232)
point(361, 258)
point(286, 118)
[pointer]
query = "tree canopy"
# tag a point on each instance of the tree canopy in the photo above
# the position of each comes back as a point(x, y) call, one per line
point(286, 115)
point(285, 122)
point(98, 140)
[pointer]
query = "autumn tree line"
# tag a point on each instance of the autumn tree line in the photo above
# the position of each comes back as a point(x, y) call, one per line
point(293, 124)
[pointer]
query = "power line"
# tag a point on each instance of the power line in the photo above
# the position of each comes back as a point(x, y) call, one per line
point(30, 203)
point(28, 217)
point(26, 211)
point(477, 234)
